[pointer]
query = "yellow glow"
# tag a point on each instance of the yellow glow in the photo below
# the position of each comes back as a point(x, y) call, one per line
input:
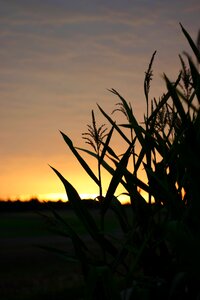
point(63, 196)
point(145, 195)
point(52, 196)
point(49, 187)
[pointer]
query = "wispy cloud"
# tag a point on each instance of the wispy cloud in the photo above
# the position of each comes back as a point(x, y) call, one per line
point(65, 13)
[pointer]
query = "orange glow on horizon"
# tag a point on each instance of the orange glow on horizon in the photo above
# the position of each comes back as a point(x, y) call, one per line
point(62, 196)
point(52, 188)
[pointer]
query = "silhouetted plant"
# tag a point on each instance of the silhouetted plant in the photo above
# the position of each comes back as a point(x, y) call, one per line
point(95, 137)
point(155, 254)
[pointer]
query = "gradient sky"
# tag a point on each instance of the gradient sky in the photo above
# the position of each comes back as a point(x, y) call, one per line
point(57, 60)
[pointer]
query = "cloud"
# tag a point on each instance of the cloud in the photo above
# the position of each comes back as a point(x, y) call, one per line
point(60, 13)
point(70, 12)
point(33, 27)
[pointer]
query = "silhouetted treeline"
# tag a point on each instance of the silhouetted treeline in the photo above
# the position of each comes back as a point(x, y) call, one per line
point(36, 205)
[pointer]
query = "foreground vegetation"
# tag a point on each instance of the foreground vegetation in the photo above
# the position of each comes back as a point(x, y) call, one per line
point(157, 252)
point(28, 271)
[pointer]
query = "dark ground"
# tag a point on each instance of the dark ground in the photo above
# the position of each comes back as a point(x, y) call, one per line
point(28, 271)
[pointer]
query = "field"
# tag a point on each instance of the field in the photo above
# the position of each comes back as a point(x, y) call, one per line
point(28, 271)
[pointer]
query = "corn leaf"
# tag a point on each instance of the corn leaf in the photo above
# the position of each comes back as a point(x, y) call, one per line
point(84, 215)
point(133, 180)
point(164, 100)
point(67, 257)
point(78, 206)
point(196, 79)
point(80, 159)
point(103, 163)
point(173, 93)
point(114, 125)
point(192, 44)
point(116, 178)
point(106, 147)
point(118, 208)
point(132, 119)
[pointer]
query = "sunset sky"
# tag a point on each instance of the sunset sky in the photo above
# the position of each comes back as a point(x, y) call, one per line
point(58, 58)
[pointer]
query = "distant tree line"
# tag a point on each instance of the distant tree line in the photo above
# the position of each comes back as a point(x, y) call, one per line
point(35, 205)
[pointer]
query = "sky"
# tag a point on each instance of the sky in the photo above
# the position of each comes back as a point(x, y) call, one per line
point(57, 61)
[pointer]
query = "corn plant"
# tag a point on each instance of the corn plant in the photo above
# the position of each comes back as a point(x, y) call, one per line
point(94, 137)
point(156, 252)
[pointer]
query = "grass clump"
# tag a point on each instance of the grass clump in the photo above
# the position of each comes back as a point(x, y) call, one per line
point(155, 254)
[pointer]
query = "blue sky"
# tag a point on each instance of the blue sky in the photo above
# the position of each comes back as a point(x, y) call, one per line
point(57, 60)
